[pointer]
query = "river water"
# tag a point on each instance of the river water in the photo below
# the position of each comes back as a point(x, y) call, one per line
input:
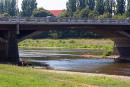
point(70, 60)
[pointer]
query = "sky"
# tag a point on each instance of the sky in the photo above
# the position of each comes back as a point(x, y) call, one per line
point(50, 4)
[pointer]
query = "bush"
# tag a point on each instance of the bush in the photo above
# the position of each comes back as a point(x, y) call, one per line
point(107, 53)
point(119, 16)
point(64, 14)
point(92, 15)
point(40, 12)
point(81, 13)
point(4, 15)
point(104, 16)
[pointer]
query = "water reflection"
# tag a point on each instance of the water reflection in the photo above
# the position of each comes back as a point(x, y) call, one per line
point(70, 60)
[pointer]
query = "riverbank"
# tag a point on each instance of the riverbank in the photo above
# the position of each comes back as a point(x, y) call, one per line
point(14, 76)
point(99, 56)
point(68, 43)
point(90, 44)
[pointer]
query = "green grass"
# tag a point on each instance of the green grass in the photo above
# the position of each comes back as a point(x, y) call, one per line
point(94, 44)
point(13, 76)
point(68, 43)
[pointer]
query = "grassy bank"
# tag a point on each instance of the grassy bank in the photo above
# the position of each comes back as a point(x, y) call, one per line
point(13, 76)
point(68, 43)
point(96, 44)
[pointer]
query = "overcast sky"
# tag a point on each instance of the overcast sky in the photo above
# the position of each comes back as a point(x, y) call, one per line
point(50, 4)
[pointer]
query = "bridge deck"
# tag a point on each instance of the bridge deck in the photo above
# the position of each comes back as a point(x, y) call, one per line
point(65, 21)
point(45, 23)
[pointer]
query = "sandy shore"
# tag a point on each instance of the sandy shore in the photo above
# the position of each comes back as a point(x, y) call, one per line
point(95, 56)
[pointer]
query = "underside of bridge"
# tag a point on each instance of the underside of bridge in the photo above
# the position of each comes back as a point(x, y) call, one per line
point(9, 38)
point(120, 37)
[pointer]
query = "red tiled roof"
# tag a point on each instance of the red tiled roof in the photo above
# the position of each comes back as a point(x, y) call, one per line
point(56, 12)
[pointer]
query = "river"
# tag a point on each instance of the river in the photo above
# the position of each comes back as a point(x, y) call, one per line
point(70, 60)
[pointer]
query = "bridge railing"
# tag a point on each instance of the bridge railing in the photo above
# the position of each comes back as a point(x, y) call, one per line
point(62, 20)
point(73, 20)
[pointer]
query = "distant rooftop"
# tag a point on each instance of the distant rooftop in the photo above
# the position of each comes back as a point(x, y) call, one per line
point(56, 12)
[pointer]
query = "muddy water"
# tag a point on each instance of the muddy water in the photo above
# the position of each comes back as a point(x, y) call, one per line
point(70, 60)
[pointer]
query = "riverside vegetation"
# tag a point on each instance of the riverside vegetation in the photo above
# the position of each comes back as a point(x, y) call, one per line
point(14, 76)
point(93, 44)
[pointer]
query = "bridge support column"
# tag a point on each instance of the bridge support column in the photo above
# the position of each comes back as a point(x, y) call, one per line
point(3, 51)
point(123, 48)
point(12, 47)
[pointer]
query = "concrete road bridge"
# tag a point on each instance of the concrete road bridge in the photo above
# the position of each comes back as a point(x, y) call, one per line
point(14, 30)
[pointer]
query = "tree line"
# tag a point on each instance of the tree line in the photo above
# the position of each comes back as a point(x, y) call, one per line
point(28, 8)
point(75, 8)
point(97, 9)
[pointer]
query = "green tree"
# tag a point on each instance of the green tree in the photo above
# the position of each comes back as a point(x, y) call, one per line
point(40, 12)
point(90, 4)
point(27, 7)
point(12, 8)
point(108, 6)
point(92, 14)
point(100, 7)
point(120, 6)
point(6, 6)
point(128, 8)
point(82, 13)
point(64, 14)
point(77, 13)
point(71, 7)
point(81, 4)
point(1, 7)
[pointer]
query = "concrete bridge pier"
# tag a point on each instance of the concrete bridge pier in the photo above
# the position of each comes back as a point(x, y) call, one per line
point(12, 47)
point(9, 47)
point(3, 51)
point(123, 48)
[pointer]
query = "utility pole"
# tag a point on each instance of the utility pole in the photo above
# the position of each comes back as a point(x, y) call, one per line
point(17, 16)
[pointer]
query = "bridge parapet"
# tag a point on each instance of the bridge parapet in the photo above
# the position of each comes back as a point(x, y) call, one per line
point(44, 20)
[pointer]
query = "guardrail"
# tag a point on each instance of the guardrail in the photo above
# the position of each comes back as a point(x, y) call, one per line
point(61, 20)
